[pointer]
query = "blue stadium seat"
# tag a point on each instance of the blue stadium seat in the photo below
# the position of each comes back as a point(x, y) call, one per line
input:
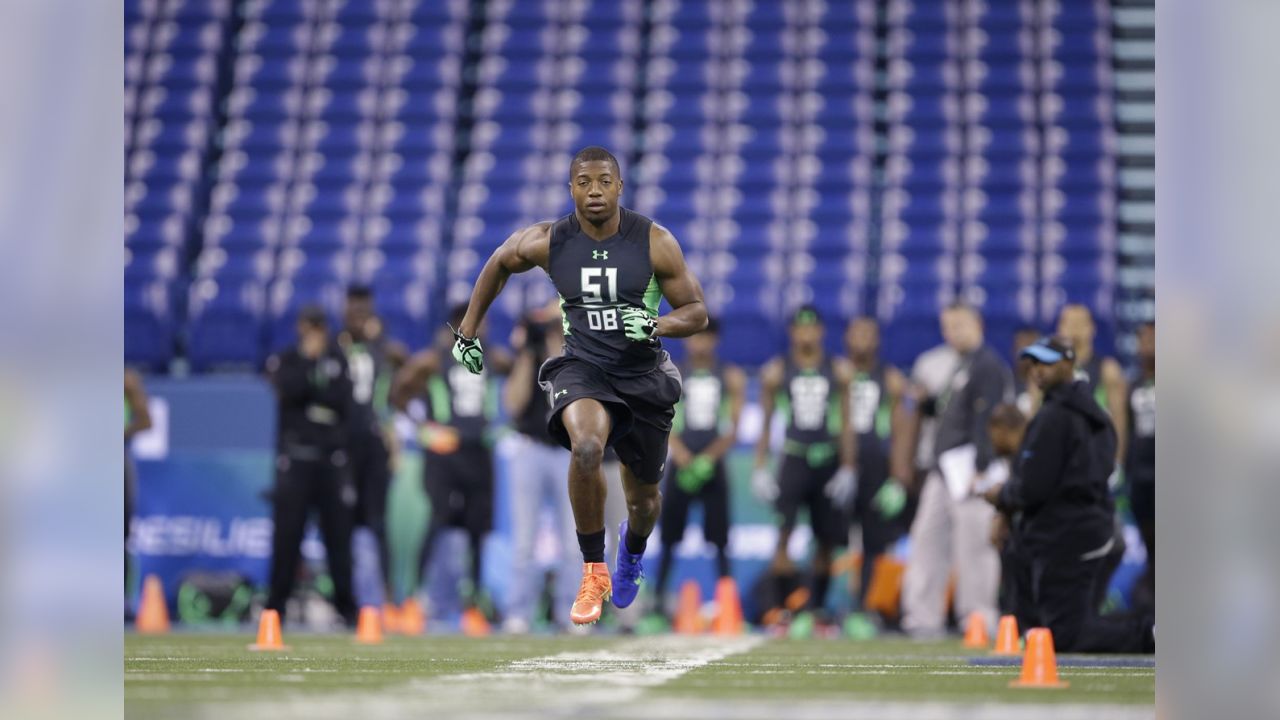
point(149, 329)
point(921, 45)
point(998, 46)
point(747, 337)
point(273, 40)
point(999, 110)
point(999, 238)
point(278, 11)
point(226, 324)
point(1003, 173)
point(1072, 43)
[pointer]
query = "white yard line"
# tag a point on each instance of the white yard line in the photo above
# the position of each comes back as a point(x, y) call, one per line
point(577, 684)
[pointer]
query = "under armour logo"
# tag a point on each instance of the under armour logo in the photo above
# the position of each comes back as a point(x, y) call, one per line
point(599, 254)
point(562, 392)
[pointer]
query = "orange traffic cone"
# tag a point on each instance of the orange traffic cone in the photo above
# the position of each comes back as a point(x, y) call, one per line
point(153, 613)
point(1039, 664)
point(391, 618)
point(1007, 636)
point(269, 637)
point(474, 623)
point(412, 620)
point(687, 621)
point(369, 626)
point(975, 631)
point(729, 617)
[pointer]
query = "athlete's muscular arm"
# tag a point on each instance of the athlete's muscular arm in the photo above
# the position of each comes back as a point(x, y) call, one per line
point(688, 313)
point(735, 382)
point(901, 428)
point(1117, 405)
point(848, 439)
point(410, 379)
point(523, 251)
point(135, 396)
point(770, 381)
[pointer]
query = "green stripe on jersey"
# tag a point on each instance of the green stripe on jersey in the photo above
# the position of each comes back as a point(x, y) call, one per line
point(652, 296)
point(441, 405)
point(564, 316)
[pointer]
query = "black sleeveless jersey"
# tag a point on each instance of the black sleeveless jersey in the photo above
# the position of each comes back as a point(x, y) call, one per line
point(1140, 465)
point(703, 409)
point(808, 396)
point(597, 279)
point(1091, 375)
point(370, 375)
point(462, 400)
point(869, 407)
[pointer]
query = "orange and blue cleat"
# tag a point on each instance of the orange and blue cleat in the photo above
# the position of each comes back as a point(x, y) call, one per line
point(629, 574)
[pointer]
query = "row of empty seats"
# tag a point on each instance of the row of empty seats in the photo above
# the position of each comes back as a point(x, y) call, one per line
point(870, 156)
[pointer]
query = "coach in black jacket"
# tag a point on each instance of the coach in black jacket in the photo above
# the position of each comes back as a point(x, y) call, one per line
point(313, 392)
point(1059, 484)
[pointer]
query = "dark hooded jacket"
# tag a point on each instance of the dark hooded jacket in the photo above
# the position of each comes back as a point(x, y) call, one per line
point(1059, 479)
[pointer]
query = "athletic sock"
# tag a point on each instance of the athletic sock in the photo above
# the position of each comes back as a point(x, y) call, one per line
point(722, 562)
point(592, 546)
point(635, 543)
point(818, 597)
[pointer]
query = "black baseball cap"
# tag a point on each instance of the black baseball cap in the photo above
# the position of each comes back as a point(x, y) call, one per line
point(1049, 350)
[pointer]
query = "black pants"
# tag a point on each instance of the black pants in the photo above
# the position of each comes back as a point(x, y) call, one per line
point(371, 471)
point(460, 488)
point(878, 533)
point(1065, 592)
point(1016, 591)
point(302, 485)
point(1142, 499)
point(714, 496)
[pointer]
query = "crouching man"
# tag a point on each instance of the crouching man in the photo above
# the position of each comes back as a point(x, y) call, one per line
point(1059, 485)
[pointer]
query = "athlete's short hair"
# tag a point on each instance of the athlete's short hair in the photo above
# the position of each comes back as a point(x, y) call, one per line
point(359, 292)
point(806, 314)
point(1007, 415)
point(966, 307)
point(313, 316)
point(593, 153)
point(713, 326)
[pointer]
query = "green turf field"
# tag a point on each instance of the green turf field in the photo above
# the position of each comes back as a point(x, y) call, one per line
point(194, 676)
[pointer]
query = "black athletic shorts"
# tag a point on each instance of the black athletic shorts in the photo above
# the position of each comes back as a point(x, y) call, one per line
point(873, 470)
point(460, 487)
point(370, 466)
point(641, 408)
point(714, 496)
point(802, 485)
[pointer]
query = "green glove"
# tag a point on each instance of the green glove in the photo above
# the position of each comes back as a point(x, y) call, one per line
point(638, 325)
point(890, 499)
point(693, 476)
point(467, 352)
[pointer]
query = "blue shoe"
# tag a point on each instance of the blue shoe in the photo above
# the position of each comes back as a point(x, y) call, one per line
point(628, 572)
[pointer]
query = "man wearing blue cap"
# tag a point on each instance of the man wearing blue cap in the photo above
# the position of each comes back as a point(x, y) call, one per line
point(1059, 484)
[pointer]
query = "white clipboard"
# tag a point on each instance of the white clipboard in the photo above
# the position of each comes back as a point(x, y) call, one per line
point(956, 466)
